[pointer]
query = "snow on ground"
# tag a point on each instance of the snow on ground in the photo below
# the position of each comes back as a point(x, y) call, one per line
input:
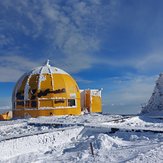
point(39, 140)
point(138, 122)
point(87, 118)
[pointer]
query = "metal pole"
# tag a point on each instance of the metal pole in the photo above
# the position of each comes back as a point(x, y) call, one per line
point(92, 152)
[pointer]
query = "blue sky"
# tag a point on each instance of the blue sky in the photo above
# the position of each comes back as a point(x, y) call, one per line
point(111, 44)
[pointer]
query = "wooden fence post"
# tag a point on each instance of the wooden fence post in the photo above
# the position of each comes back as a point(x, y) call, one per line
point(92, 152)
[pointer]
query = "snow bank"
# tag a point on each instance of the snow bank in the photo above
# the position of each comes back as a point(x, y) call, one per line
point(15, 147)
point(104, 143)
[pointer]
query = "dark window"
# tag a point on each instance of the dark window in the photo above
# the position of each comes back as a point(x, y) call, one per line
point(33, 104)
point(20, 95)
point(20, 103)
point(71, 102)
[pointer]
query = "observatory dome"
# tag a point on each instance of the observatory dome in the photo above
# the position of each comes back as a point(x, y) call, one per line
point(44, 91)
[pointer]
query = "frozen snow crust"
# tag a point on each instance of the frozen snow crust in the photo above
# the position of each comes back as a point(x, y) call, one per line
point(40, 140)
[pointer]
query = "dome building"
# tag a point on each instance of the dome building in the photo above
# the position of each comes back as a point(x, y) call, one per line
point(47, 91)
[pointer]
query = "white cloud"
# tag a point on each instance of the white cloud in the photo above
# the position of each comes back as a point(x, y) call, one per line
point(81, 80)
point(146, 62)
point(151, 61)
point(71, 28)
point(4, 40)
point(129, 95)
point(12, 67)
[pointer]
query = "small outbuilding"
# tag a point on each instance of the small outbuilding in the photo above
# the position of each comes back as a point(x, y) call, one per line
point(47, 91)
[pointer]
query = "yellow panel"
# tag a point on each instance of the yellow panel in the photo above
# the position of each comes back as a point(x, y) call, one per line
point(46, 112)
point(47, 83)
point(71, 85)
point(96, 104)
point(47, 91)
point(60, 102)
point(59, 84)
point(46, 103)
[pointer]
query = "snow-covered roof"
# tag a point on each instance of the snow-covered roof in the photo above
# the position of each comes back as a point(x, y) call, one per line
point(47, 69)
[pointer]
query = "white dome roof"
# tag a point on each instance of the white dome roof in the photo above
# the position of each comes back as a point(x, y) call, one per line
point(47, 69)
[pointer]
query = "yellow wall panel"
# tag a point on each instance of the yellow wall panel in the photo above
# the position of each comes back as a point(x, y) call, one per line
point(46, 82)
point(46, 112)
point(46, 103)
point(96, 104)
point(60, 102)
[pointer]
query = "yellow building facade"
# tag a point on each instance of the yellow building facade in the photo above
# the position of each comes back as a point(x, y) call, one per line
point(47, 91)
point(91, 100)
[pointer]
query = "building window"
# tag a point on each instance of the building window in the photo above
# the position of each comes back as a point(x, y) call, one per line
point(71, 102)
point(20, 103)
point(33, 104)
point(20, 95)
